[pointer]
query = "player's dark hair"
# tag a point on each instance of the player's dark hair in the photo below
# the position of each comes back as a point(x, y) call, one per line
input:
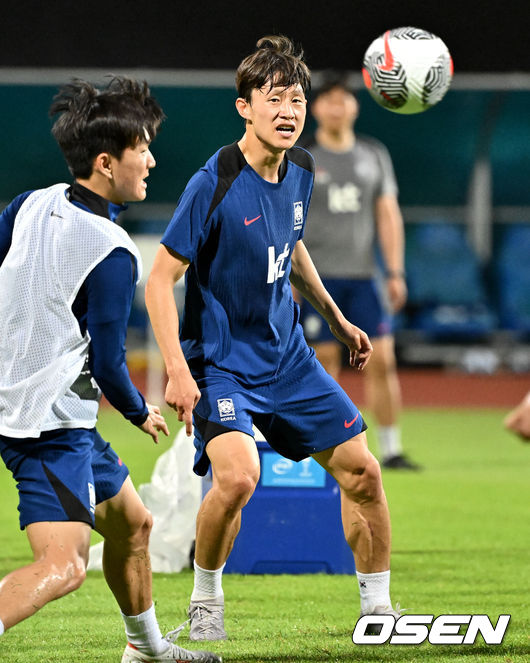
point(110, 119)
point(276, 62)
point(331, 79)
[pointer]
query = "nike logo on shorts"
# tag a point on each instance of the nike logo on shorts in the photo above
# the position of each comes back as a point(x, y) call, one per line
point(349, 424)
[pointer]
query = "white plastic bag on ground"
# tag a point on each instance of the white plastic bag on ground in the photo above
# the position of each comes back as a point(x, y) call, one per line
point(173, 496)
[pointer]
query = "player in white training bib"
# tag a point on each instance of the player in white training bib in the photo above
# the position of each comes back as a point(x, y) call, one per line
point(67, 277)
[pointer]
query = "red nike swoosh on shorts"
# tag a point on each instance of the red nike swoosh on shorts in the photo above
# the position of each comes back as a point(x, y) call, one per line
point(349, 424)
point(388, 64)
point(249, 221)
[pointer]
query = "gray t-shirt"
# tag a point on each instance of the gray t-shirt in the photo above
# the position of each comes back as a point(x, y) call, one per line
point(340, 232)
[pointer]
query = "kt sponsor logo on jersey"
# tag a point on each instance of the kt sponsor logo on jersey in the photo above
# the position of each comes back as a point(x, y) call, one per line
point(344, 198)
point(276, 269)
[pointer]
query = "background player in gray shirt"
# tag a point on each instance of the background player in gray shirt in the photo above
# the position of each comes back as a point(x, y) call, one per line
point(354, 207)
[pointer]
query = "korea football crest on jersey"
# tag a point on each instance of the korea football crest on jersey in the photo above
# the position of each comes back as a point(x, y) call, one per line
point(298, 215)
point(226, 409)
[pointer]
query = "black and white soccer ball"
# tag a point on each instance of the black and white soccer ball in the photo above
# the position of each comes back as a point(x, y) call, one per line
point(407, 70)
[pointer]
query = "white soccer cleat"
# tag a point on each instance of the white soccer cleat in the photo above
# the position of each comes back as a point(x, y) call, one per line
point(174, 654)
point(207, 619)
point(375, 629)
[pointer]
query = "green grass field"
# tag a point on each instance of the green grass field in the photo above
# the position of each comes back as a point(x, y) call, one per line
point(461, 544)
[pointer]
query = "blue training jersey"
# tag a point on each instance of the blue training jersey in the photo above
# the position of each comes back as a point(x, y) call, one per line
point(239, 231)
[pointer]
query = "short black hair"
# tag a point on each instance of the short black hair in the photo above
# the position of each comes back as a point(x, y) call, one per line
point(331, 79)
point(276, 61)
point(109, 119)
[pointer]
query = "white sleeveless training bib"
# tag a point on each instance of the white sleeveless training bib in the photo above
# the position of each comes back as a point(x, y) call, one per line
point(55, 245)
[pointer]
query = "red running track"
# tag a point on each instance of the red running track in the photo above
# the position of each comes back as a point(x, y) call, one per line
point(439, 388)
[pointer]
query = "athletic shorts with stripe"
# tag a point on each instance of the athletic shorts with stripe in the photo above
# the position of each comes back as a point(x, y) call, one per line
point(300, 413)
point(63, 474)
point(364, 302)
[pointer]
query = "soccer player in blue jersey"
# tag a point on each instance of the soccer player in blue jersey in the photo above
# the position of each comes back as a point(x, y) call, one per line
point(67, 279)
point(242, 358)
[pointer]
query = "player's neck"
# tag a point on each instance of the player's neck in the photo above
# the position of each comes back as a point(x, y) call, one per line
point(264, 161)
point(98, 185)
point(337, 141)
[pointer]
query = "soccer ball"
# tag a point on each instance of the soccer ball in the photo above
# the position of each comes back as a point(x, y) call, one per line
point(407, 70)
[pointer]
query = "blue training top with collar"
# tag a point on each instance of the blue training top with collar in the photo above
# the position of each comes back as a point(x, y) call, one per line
point(239, 231)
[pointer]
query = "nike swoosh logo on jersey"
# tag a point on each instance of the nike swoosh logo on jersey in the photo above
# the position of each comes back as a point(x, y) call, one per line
point(349, 424)
point(388, 64)
point(57, 215)
point(249, 221)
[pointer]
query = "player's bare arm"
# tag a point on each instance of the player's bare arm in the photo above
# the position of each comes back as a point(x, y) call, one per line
point(306, 280)
point(391, 240)
point(182, 393)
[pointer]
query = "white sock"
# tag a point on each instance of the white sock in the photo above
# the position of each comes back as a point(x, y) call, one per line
point(389, 438)
point(144, 633)
point(375, 590)
point(207, 584)
point(2, 629)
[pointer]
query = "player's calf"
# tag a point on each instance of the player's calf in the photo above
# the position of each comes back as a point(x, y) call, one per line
point(25, 591)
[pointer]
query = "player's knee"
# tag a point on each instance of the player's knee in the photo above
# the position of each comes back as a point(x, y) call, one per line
point(363, 484)
point(238, 489)
point(133, 532)
point(140, 530)
point(143, 531)
point(382, 368)
point(70, 574)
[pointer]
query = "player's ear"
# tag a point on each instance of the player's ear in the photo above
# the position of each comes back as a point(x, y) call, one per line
point(314, 108)
point(357, 107)
point(243, 108)
point(103, 164)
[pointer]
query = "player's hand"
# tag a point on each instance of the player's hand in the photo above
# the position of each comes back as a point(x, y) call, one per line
point(155, 422)
point(397, 292)
point(182, 394)
point(357, 342)
point(518, 420)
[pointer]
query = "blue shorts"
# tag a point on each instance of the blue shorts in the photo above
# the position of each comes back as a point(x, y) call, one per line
point(62, 474)
point(362, 301)
point(301, 413)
